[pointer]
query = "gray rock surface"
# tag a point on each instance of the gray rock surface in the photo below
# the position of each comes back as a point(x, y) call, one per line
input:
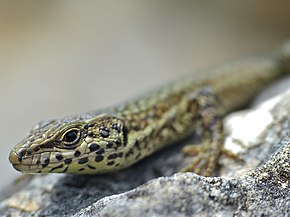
point(264, 191)
point(261, 190)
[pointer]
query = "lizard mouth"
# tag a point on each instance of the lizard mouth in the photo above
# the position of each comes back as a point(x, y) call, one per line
point(19, 167)
point(17, 163)
point(25, 168)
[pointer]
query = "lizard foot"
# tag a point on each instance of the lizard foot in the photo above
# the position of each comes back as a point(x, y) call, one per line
point(204, 161)
point(205, 158)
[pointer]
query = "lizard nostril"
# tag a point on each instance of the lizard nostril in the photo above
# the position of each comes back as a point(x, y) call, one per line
point(21, 152)
point(28, 152)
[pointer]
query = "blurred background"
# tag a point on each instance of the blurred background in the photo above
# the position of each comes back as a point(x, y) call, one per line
point(66, 57)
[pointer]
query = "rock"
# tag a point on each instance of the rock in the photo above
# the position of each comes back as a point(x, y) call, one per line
point(262, 189)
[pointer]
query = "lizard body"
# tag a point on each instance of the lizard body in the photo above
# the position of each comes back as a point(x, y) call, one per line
point(109, 140)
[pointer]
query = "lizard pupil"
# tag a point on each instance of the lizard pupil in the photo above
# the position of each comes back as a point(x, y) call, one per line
point(71, 137)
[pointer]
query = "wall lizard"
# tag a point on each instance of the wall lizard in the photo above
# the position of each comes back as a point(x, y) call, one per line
point(115, 138)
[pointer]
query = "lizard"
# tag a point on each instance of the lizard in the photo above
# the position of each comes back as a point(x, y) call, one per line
point(115, 138)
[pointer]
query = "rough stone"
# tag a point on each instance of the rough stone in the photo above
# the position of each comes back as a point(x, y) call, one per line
point(262, 189)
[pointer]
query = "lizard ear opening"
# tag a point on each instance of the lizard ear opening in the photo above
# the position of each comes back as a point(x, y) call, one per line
point(125, 135)
point(122, 131)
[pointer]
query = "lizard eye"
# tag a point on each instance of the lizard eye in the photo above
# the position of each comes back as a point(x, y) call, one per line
point(71, 137)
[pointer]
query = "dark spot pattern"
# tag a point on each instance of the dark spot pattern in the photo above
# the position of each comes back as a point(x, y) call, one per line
point(110, 163)
point(58, 156)
point(113, 156)
point(83, 160)
point(99, 158)
point(94, 147)
point(77, 153)
point(90, 134)
point(65, 170)
point(116, 127)
point(36, 149)
point(138, 155)
point(91, 125)
point(68, 161)
point(118, 142)
point(110, 145)
point(46, 161)
point(91, 167)
point(101, 151)
point(57, 167)
point(105, 133)
point(47, 145)
point(44, 165)
point(137, 145)
point(130, 152)
point(29, 152)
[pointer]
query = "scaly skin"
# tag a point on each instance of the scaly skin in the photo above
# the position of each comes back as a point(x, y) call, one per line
point(99, 142)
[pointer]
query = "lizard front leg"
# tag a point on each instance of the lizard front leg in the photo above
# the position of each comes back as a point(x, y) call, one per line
point(207, 153)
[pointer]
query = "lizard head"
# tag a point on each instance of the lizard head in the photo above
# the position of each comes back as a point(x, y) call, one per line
point(72, 146)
